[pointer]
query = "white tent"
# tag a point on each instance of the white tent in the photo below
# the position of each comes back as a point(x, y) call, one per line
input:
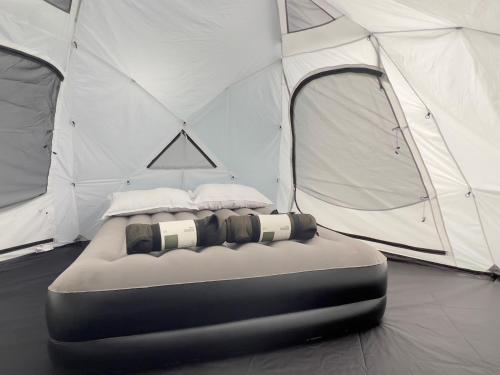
point(393, 137)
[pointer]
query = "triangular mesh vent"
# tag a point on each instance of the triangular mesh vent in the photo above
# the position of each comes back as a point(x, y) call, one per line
point(305, 14)
point(64, 5)
point(182, 153)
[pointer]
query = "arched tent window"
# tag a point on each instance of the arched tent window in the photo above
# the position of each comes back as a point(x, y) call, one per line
point(305, 14)
point(28, 96)
point(349, 149)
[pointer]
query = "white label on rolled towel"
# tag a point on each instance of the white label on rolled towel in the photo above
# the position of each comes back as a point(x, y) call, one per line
point(274, 227)
point(178, 234)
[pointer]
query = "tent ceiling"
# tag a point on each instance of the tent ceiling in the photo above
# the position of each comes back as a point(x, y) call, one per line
point(405, 15)
point(183, 53)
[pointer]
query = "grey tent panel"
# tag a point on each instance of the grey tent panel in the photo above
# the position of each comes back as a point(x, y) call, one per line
point(305, 14)
point(182, 153)
point(348, 148)
point(64, 5)
point(28, 96)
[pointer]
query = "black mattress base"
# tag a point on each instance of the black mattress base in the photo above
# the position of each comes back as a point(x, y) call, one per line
point(93, 315)
point(220, 340)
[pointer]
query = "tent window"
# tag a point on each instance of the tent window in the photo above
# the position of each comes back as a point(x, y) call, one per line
point(305, 14)
point(182, 153)
point(348, 148)
point(64, 5)
point(28, 96)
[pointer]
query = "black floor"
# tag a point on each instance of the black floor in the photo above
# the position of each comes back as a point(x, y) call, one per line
point(438, 321)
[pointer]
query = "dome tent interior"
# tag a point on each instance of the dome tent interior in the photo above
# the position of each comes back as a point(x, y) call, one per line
point(380, 118)
point(118, 83)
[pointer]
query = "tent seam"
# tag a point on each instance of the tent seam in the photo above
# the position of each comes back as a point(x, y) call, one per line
point(125, 76)
point(450, 28)
point(285, 81)
point(417, 152)
point(243, 79)
point(468, 46)
point(456, 328)
point(469, 187)
point(327, 48)
point(377, 46)
point(435, 29)
point(62, 103)
point(365, 367)
point(441, 136)
point(43, 31)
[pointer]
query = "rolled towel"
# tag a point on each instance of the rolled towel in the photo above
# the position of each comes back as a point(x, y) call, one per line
point(145, 238)
point(262, 228)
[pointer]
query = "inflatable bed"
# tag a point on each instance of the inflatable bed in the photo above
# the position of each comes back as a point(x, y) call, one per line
point(198, 302)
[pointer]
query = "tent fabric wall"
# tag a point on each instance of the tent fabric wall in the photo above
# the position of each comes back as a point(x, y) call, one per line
point(465, 108)
point(404, 15)
point(136, 75)
point(457, 207)
point(167, 67)
point(406, 224)
point(439, 61)
point(38, 29)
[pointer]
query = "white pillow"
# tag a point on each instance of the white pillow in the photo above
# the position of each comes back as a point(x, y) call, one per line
point(149, 202)
point(232, 196)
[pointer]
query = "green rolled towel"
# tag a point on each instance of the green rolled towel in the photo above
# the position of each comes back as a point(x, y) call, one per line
point(262, 228)
point(146, 238)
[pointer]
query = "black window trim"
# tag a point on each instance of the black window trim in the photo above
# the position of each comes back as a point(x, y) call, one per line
point(323, 73)
point(35, 59)
point(184, 133)
point(311, 27)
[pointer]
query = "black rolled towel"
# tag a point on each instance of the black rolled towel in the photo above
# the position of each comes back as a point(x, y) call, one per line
point(261, 228)
point(139, 238)
point(211, 231)
point(146, 238)
point(303, 226)
point(241, 229)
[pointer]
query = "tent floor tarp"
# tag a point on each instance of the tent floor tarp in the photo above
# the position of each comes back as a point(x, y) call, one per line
point(437, 322)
